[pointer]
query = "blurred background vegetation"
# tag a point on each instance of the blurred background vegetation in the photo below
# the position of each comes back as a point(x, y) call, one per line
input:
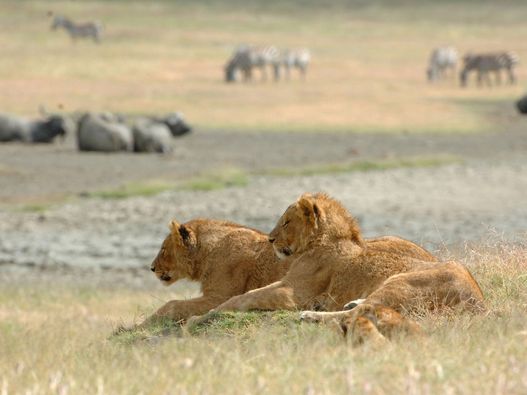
point(367, 71)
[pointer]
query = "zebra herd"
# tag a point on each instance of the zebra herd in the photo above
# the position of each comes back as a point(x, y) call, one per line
point(443, 61)
point(248, 57)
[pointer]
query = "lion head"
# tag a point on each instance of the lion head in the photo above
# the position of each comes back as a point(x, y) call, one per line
point(173, 261)
point(310, 219)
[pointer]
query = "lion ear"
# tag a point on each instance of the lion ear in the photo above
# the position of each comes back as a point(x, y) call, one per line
point(187, 235)
point(310, 209)
point(182, 234)
point(173, 226)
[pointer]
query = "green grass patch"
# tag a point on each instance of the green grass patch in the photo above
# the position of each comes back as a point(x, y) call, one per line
point(366, 165)
point(240, 322)
point(35, 208)
point(132, 190)
point(217, 180)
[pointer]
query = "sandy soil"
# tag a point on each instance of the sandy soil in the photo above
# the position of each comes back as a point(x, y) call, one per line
point(439, 207)
point(31, 174)
point(442, 206)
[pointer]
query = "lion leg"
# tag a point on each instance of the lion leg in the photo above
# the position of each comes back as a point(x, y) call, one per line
point(323, 316)
point(360, 327)
point(376, 324)
point(390, 322)
point(276, 296)
point(446, 284)
point(181, 310)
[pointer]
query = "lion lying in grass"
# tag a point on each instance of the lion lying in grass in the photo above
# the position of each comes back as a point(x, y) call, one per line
point(331, 264)
point(226, 258)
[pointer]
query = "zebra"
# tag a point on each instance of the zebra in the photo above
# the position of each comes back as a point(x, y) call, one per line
point(298, 58)
point(78, 30)
point(247, 57)
point(484, 63)
point(441, 60)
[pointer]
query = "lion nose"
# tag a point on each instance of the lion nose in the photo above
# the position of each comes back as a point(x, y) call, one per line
point(271, 239)
point(153, 269)
point(165, 277)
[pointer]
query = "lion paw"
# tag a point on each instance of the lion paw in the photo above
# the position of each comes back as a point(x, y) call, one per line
point(353, 304)
point(309, 316)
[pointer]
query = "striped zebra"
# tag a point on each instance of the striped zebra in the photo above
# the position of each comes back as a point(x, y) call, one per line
point(78, 30)
point(246, 57)
point(297, 58)
point(485, 63)
point(441, 61)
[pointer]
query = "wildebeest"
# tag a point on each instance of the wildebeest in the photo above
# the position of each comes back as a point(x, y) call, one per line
point(91, 30)
point(103, 132)
point(485, 63)
point(521, 105)
point(441, 61)
point(14, 128)
point(151, 136)
point(175, 122)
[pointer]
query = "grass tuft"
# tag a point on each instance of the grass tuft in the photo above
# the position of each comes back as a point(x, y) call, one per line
point(225, 178)
point(132, 190)
point(367, 165)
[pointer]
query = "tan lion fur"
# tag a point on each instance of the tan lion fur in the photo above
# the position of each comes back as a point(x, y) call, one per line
point(331, 264)
point(226, 258)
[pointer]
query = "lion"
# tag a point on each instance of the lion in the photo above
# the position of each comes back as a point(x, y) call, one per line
point(331, 264)
point(226, 258)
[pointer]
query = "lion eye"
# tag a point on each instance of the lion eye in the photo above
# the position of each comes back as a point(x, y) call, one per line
point(285, 224)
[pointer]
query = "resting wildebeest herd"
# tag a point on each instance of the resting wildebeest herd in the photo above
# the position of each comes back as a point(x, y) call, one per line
point(104, 132)
point(14, 128)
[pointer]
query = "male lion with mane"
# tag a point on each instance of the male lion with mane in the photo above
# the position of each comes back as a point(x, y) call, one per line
point(226, 258)
point(331, 264)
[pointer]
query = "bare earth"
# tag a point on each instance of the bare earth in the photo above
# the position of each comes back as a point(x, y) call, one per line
point(440, 206)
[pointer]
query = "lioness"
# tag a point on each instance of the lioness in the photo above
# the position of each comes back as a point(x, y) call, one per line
point(226, 258)
point(331, 264)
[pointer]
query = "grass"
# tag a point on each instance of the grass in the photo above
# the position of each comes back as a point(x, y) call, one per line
point(133, 189)
point(35, 208)
point(224, 178)
point(70, 324)
point(365, 165)
point(234, 177)
point(367, 74)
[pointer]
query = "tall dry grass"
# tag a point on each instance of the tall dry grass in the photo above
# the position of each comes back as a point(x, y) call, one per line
point(56, 339)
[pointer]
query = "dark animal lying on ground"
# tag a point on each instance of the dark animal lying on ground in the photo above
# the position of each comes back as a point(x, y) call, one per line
point(175, 122)
point(151, 136)
point(14, 128)
point(521, 105)
point(108, 132)
point(103, 132)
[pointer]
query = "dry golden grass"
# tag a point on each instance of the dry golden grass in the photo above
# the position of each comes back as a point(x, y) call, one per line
point(56, 339)
point(368, 70)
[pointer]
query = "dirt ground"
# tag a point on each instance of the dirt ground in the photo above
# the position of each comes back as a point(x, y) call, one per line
point(43, 173)
point(442, 207)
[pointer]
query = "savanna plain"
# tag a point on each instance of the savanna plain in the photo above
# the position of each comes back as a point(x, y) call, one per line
point(435, 163)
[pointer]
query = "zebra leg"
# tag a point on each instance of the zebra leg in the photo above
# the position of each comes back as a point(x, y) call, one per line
point(512, 77)
point(264, 73)
point(303, 73)
point(487, 78)
point(276, 68)
point(247, 74)
point(498, 77)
